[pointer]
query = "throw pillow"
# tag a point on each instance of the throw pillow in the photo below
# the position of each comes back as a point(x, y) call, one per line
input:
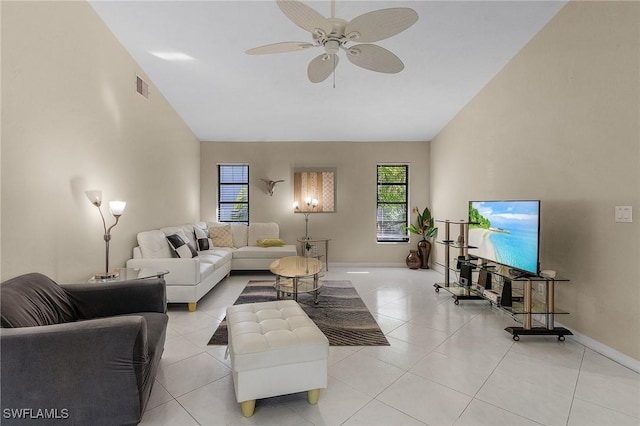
point(202, 238)
point(221, 235)
point(181, 247)
point(270, 242)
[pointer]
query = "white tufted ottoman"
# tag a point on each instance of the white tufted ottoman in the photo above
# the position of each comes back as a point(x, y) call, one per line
point(275, 350)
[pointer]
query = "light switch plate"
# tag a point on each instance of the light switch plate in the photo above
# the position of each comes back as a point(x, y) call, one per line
point(624, 214)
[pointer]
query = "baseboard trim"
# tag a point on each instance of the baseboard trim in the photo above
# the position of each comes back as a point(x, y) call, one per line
point(365, 265)
point(604, 350)
point(590, 343)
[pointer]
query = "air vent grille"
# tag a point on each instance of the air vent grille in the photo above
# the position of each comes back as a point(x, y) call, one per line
point(142, 87)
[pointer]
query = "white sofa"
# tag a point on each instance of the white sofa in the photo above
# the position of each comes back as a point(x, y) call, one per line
point(189, 279)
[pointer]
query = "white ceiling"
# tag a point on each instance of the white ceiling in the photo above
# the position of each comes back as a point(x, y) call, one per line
point(453, 50)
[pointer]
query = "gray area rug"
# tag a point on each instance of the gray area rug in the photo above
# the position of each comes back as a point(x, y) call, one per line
point(340, 313)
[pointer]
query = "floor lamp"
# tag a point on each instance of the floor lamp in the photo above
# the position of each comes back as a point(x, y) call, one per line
point(116, 208)
point(312, 204)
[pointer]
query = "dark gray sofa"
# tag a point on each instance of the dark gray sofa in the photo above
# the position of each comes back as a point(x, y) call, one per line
point(81, 354)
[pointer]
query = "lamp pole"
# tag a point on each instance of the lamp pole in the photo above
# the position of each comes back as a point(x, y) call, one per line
point(116, 208)
point(312, 204)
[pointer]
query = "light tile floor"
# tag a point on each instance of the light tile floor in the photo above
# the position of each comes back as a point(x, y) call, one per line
point(447, 365)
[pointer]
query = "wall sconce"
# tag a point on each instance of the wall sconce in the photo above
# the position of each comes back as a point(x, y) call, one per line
point(116, 208)
point(311, 205)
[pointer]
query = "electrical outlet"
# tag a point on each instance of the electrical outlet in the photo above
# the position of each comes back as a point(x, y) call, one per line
point(624, 214)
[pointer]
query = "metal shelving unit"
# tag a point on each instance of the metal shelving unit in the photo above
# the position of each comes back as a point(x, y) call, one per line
point(523, 305)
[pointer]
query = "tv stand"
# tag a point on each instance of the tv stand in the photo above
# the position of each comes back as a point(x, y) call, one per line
point(522, 304)
point(458, 291)
point(548, 310)
point(516, 273)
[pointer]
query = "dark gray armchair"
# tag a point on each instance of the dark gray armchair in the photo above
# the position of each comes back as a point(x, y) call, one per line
point(80, 353)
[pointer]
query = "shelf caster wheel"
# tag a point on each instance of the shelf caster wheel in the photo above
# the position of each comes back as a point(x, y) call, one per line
point(437, 289)
point(516, 337)
point(456, 302)
point(561, 338)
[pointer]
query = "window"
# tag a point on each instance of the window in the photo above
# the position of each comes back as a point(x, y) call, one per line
point(393, 203)
point(233, 193)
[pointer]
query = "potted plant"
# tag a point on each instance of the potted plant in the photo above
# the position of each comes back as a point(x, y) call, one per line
point(425, 229)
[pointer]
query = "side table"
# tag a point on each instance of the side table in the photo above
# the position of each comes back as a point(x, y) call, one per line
point(126, 274)
point(312, 241)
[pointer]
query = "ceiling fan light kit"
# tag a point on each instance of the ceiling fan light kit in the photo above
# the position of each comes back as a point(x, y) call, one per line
point(334, 34)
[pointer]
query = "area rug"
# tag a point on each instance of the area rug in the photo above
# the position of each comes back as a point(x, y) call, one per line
point(340, 313)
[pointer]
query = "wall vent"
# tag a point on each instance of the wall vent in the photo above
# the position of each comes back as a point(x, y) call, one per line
point(142, 87)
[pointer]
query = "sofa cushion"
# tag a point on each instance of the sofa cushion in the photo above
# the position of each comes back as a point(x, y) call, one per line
point(253, 252)
point(181, 245)
point(202, 238)
point(218, 256)
point(154, 245)
point(261, 231)
point(220, 233)
point(32, 300)
point(239, 234)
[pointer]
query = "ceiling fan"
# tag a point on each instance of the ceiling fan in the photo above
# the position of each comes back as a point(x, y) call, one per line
point(334, 34)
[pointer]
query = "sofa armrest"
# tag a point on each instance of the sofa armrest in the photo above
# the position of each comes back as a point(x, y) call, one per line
point(181, 271)
point(90, 369)
point(118, 297)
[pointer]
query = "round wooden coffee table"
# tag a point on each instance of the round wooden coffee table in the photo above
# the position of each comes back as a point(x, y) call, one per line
point(296, 274)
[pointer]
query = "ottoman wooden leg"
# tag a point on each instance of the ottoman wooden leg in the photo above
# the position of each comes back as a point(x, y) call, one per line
point(192, 307)
point(248, 407)
point(313, 396)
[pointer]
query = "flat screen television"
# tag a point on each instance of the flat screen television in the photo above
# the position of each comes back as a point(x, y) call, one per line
point(506, 232)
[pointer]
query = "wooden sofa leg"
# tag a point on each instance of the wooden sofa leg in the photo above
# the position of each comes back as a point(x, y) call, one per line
point(248, 407)
point(313, 396)
point(192, 307)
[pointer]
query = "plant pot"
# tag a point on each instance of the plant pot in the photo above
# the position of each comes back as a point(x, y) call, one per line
point(413, 260)
point(424, 251)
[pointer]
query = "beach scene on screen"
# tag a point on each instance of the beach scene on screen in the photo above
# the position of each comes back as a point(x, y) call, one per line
point(506, 232)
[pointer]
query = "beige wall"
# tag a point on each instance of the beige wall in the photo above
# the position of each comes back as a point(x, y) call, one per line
point(560, 123)
point(352, 228)
point(72, 121)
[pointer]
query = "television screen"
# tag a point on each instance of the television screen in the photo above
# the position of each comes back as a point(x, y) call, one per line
point(506, 232)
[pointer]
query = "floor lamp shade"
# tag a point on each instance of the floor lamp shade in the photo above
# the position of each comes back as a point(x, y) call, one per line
point(117, 207)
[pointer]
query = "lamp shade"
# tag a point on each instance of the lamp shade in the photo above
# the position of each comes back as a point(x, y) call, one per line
point(117, 207)
point(95, 196)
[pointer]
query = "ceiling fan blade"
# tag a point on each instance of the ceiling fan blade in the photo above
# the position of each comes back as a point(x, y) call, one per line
point(374, 58)
point(304, 16)
point(380, 24)
point(321, 67)
point(286, 46)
